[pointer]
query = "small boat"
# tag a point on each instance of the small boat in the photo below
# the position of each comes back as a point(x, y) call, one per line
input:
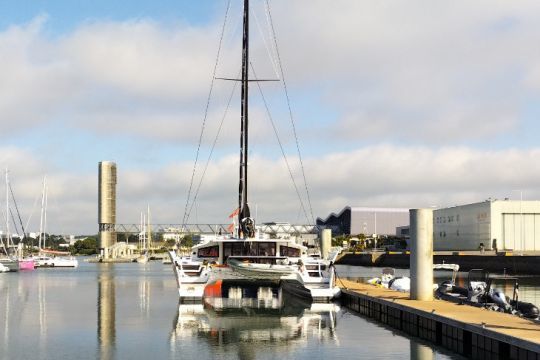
point(3, 268)
point(481, 293)
point(388, 279)
point(143, 258)
point(261, 270)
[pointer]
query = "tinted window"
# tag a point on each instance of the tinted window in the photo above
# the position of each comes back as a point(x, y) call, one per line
point(212, 251)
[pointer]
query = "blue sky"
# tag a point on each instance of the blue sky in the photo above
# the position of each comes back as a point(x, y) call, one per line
point(396, 104)
point(65, 15)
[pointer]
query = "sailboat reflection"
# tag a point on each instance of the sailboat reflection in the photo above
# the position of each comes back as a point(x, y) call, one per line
point(233, 321)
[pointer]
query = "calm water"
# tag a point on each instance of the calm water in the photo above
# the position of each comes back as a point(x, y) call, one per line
point(131, 311)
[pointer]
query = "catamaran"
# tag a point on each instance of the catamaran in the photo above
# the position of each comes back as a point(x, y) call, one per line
point(249, 254)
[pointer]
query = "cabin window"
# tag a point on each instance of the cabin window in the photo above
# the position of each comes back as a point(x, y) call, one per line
point(233, 249)
point(267, 249)
point(289, 251)
point(212, 251)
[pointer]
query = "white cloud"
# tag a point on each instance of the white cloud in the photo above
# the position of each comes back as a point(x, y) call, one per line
point(425, 72)
point(382, 175)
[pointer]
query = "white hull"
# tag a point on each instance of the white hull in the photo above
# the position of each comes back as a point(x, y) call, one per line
point(191, 278)
point(10, 264)
point(60, 262)
point(192, 282)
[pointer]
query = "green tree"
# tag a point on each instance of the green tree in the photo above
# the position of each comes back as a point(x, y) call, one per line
point(88, 246)
point(187, 241)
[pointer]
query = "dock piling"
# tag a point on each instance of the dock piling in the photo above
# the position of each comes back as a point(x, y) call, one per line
point(421, 222)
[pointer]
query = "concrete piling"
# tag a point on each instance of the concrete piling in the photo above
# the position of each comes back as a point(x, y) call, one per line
point(421, 230)
point(326, 242)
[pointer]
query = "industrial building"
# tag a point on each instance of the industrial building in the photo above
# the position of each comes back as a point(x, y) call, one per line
point(502, 224)
point(367, 221)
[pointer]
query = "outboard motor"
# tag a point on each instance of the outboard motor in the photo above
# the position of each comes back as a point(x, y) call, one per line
point(499, 298)
point(477, 290)
point(445, 286)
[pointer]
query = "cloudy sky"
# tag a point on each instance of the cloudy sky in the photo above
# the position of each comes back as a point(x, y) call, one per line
point(396, 104)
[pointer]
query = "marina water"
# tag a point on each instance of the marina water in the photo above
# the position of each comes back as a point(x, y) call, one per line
point(120, 311)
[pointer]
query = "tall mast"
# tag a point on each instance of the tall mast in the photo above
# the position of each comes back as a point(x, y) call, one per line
point(42, 216)
point(8, 235)
point(245, 221)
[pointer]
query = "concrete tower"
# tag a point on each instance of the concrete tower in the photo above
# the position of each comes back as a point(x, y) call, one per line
point(107, 207)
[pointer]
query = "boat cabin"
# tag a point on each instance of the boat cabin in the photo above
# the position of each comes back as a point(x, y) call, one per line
point(267, 251)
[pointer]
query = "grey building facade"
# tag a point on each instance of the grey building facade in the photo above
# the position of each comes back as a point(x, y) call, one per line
point(366, 220)
point(507, 224)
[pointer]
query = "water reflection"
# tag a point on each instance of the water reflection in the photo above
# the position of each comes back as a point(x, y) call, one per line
point(106, 312)
point(239, 329)
point(420, 351)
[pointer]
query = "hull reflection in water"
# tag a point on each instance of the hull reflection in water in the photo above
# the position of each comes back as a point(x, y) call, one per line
point(230, 327)
point(237, 315)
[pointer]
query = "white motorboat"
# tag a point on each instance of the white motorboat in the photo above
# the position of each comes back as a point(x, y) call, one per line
point(55, 261)
point(3, 268)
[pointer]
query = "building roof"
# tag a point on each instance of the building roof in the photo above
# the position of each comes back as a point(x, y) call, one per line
point(377, 209)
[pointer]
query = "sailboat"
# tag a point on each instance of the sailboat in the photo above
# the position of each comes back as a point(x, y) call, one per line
point(46, 257)
point(248, 254)
point(145, 238)
point(7, 260)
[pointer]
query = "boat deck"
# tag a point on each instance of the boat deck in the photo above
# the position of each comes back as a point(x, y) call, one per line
point(518, 333)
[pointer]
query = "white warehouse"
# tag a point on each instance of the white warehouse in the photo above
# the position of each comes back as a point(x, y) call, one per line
point(504, 224)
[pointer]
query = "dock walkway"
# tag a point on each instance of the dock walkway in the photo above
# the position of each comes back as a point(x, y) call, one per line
point(470, 331)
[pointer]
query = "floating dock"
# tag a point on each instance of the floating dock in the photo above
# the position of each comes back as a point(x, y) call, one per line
point(467, 330)
point(501, 262)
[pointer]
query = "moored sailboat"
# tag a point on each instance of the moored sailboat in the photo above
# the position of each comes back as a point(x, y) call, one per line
point(247, 253)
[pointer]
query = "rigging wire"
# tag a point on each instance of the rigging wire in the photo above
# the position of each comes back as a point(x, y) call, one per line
point(212, 150)
point(33, 209)
point(266, 46)
point(18, 213)
point(14, 222)
point(184, 220)
point(280, 143)
point(290, 110)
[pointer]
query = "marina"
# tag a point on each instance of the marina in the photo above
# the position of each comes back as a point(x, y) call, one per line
point(114, 311)
point(409, 144)
point(466, 330)
point(132, 310)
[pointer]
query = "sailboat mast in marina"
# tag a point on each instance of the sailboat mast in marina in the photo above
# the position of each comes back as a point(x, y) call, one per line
point(247, 225)
point(246, 254)
point(43, 216)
